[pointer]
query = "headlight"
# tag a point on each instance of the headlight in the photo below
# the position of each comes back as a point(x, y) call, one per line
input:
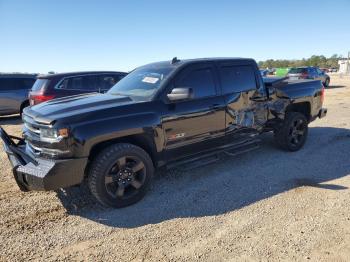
point(52, 135)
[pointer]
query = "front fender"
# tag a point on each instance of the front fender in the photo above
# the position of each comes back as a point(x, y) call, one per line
point(91, 133)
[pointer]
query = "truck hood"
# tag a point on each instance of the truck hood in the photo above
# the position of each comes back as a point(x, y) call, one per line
point(79, 105)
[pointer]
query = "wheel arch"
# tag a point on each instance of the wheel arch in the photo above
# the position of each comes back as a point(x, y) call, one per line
point(301, 107)
point(24, 104)
point(141, 140)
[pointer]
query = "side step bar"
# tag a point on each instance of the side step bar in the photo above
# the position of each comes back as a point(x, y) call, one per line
point(209, 158)
point(255, 144)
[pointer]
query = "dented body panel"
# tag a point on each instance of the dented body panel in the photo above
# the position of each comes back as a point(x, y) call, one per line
point(305, 94)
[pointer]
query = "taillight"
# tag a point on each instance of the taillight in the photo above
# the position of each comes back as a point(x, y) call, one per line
point(37, 99)
point(322, 94)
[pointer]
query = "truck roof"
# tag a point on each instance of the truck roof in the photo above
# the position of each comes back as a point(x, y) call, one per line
point(177, 62)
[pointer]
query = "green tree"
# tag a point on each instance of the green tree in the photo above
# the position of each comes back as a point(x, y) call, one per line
point(315, 60)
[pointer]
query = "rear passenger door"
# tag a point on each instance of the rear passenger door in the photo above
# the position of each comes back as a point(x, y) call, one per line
point(245, 97)
point(197, 124)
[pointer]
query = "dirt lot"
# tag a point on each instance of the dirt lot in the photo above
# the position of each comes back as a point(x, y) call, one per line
point(264, 205)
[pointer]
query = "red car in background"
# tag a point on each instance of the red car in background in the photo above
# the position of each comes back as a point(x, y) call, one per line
point(51, 86)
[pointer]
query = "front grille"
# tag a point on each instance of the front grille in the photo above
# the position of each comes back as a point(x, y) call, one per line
point(35, 146)
point(31, 127)
point(33, 149)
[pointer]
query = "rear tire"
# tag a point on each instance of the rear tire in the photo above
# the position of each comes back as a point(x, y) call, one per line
point(291, 136)
point(120, 175)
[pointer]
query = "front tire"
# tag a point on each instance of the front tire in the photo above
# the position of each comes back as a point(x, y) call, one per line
point(291, 136)
point(120, 175)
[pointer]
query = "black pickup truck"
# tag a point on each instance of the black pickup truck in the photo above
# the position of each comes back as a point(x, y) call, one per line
point(179, 112)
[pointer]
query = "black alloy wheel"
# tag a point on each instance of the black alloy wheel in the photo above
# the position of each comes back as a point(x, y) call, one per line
point(296, 132)
point(120, 175)
point(125, 177)
point(292, 134)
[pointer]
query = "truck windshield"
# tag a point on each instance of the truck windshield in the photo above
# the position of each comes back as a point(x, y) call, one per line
point(142, 83)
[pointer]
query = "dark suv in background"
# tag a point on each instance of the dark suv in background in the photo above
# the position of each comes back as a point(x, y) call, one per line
point(309, 72)
point(52, 86)
point(14, 90)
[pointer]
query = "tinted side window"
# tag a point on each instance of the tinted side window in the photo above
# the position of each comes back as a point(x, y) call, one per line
point(86, 83)
point(16, 83)
point(5, 84)
point(107, 81)
point(28, 83)
point(65, 84)
point(76, 83)
point(237, 79)
point(201, 81)
point(90, 83)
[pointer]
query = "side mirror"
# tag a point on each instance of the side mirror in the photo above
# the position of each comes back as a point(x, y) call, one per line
point(180, 93)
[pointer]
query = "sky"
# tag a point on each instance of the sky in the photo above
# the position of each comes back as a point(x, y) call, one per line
point(64, 35)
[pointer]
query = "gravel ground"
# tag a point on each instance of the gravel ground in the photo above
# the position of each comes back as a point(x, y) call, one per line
point(265, 205)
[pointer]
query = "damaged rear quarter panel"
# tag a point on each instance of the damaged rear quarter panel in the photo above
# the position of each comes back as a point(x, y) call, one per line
point(295, 93)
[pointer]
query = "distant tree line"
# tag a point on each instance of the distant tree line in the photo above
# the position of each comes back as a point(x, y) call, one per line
point(315, 60)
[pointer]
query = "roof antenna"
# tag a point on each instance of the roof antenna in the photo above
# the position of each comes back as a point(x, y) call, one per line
point(175, 60)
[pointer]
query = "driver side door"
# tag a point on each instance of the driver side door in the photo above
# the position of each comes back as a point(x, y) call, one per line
point(196, 124)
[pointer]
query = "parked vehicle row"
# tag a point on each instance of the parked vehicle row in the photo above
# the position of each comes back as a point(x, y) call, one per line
point(309, 72)
point(52, 86)
point(18, 91)
point(165, 114)
point(304, 72)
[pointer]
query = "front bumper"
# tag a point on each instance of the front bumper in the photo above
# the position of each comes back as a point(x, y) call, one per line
point(38, 173)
